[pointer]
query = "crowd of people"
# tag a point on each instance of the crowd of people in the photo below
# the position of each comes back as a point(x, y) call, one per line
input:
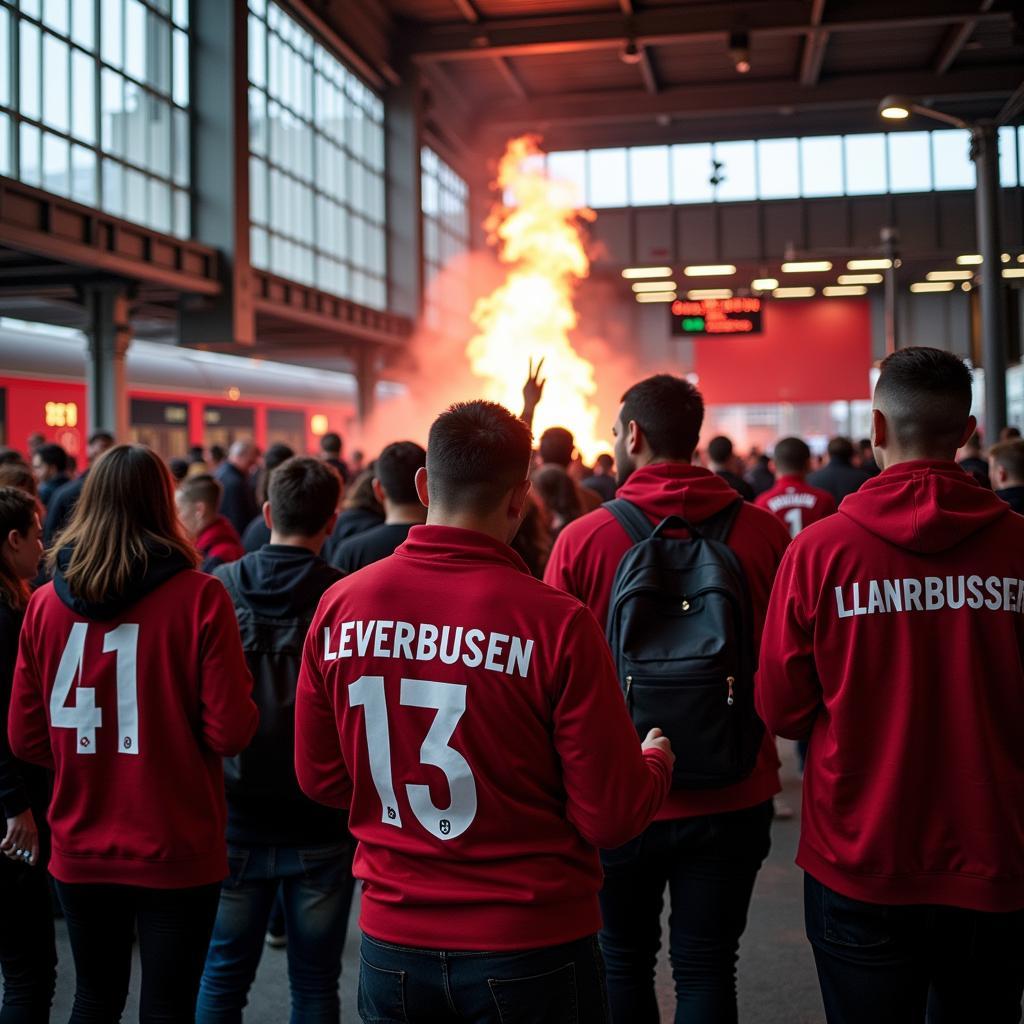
point(518, 699)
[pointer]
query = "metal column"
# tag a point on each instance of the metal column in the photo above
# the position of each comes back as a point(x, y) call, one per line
point(985, 153)
point(366, 383)
point(109, 335)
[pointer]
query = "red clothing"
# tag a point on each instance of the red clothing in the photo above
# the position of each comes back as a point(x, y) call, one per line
point(139, 788)
point(795, 503)
point(588, 552)
point(219, 544)
point(895, 639)
point(477, 822)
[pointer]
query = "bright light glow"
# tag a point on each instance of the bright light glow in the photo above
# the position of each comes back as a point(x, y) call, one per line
point(711, 270)
point(630, 273)
point(806, 267)
point(895, 113)
point(654, 286)
point(966, 286)
point(835, 291)
point(1014, 272)
point(234, 394)
point(949, 275)
point(318, 424)
point(859, 278)
point(868, 264)
point(932, 286)
point(656, 297)
point(709, 293)
point(970, 260)
point(793, 293)
point(764, 284)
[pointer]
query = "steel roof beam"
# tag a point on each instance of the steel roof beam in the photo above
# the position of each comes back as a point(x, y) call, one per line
point(815, 43)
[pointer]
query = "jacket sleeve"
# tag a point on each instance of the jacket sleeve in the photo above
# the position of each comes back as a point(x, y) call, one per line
point(613, 788)
point(13, 797)
point(319, 764)
point(28, 729)
point(228, 715)
point(558, 572)
point(787, 691)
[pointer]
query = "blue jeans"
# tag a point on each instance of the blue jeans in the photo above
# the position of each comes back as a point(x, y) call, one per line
point(553, 985)
point(911, 964)
point(709, 864)
point(316, 885)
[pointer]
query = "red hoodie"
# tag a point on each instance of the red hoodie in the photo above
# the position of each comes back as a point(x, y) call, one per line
point(470, 718)
point(587, 554)
point(133, 705)
point(795, 503)
point(895, 640)
point(219, 544)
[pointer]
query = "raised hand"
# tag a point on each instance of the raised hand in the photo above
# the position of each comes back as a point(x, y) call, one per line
point(533, 390)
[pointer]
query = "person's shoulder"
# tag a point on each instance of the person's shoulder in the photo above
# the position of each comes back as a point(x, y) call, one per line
point(588, 525)
point(753, 517)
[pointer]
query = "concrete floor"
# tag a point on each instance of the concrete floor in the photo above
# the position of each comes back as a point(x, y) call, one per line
point(777, 983)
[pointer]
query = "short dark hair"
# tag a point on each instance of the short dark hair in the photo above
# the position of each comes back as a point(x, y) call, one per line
point(178, 468)
point(720, 449)
point(925, 395)
point(303, 495)
point(11, 457)
point(201, 487)
point(791, 455)
point(670, 412)
point(330, 443)
point(101, 436)
point(556, 446)
point(396, 470)
point(1010, 455)
point(605, 461)
point(277, 454)
point(476, 453)
point(840, 449)
point(218, 453)
point(53, 455)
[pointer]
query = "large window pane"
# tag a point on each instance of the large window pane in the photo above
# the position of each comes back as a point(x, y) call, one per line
point(910, 164)
point(55, 82)
point(691, 173)
point(865, 165)
point(83, 96)
point(821, 166)
point(737, 170)
point(649, 176)
point(607, 182)
point(778, 169)
point(5, 49)
point(570, 167)
point(30, 77)
point(951, 154)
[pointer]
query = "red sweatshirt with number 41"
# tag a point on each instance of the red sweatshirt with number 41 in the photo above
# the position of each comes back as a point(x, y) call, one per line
point(470, 718)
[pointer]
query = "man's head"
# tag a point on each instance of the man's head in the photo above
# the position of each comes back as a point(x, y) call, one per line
point(243, 455)
point(34, 441)
point(277, 455)
point(217, 454)
point(659, 421)
point(394, 476)
point(840, 449)
point(792, 457)
point(97, 444)
point(972, 446)
point(330, 445)
point(556, 447)
point(603, 465)
point(477, 471)
point(1009, 433)
point(922, 406)
point(720, 453)
point(198, 502)
point(48, 461)
point(1006, 464)
point(302, 501)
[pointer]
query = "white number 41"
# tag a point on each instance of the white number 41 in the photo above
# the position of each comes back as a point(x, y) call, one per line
point(84, 716)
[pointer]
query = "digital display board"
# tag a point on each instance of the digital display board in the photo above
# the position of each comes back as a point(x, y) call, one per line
point(702, 317)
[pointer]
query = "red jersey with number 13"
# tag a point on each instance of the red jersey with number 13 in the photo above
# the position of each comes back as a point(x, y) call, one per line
point(795, 503)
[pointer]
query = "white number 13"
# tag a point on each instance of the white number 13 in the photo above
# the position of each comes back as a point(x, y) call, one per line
point(449, 699)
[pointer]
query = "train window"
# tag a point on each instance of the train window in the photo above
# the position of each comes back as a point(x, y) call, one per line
point(287, 426)
point(225, 424)
point(161, 425)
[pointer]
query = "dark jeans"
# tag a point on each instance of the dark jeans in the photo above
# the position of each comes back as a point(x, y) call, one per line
point(316, 889)
point(174, 928)
point(709, 865)
point(553, 985)
point(28, 955)
point(907, 965)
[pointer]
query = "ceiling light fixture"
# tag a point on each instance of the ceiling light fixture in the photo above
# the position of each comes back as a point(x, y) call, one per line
point(1014, 272)
point(793, 293)
point(630, 53)
point(859, 279)
point(656, 297)
point(932, 286)
point(883, 264)
point(710, 270)
point(806, 267)
point(709, 293)
point(764, 284)
point(833, 291)
point(739, 50)
point(634, 272)
point(654, 286)
point(970, 260)
point(949, 275)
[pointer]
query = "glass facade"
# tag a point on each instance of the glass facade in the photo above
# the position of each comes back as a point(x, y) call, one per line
point(836, 165)
point(94, 104)
point(316, 163)
point(444, 197)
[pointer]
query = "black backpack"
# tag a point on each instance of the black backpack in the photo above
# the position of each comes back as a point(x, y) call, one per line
point(681, 629)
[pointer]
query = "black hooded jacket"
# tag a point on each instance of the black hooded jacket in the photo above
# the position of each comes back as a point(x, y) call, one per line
point(275, 591)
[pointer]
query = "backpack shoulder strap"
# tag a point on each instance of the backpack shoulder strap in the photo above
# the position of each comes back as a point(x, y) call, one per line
point(719, 526)
point(630, 518)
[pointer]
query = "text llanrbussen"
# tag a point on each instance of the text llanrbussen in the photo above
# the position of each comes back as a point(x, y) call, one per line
point(931, 594)
point(385, 638)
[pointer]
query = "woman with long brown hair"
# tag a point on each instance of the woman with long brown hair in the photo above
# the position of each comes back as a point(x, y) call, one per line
point(27, 954)
point(131, 682)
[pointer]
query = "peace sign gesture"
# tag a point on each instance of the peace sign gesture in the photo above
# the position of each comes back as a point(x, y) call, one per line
point(533, 389)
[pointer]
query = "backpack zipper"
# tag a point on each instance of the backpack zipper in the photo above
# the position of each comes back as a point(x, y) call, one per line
point(730, 681)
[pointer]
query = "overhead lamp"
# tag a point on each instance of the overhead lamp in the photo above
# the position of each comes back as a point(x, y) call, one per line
point(1006, 257)
point(970, 260)
point(764, 284)
point(630, 53)
point(899, 108)
point(949, 275)
point(709, 293)
point(656, 297)
point(932, 286)
point(1013, 272)
point(806, 267)
point(654, 286)
point(880, 264)
point(710, 270)
point(860, 279)
point(634, 272)
point(834, 291)
point(893, 109)
point(793, 293)
point(739, 50)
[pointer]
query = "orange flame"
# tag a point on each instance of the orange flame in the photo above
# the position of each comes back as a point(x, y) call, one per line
point(531, 315)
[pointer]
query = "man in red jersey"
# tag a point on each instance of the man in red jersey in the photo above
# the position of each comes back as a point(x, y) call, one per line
point(793, 501)
point(470, 719)
point(895, 641)
point(706, 844)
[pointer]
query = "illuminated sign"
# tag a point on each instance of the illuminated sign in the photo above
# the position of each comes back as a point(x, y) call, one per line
point(61, 414)
point(696, 317)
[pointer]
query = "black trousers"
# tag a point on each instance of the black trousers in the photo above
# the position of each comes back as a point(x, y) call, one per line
point(174, 927)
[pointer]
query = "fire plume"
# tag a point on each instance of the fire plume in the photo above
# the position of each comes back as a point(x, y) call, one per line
point(538, 233)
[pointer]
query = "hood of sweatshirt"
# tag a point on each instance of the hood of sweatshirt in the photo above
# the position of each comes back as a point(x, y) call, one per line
point(160, 565)
point(677, 489)
point(924, 506)
point(280, 581)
